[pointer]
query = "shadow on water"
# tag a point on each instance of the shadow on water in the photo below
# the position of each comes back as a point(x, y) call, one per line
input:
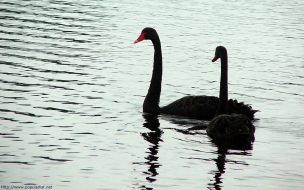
point(153, 137)
point(224, 148)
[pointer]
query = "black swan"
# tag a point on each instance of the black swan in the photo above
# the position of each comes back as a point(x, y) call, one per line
point(200, 107)
point(224, 126)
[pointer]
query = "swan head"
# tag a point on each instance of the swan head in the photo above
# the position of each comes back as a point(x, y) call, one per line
point(220, 52)
point(146, 34)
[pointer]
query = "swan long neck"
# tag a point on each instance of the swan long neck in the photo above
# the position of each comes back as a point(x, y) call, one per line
point(151, 103)
point(223, 104)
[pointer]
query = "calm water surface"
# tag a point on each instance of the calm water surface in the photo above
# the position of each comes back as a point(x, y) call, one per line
point(72, 85)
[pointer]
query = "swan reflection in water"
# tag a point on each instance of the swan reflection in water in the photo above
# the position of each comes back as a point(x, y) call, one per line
point(153, 137)
point(224, 148)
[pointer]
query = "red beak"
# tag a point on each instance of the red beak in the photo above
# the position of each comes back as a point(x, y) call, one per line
point(214, 59)
point(140, 38)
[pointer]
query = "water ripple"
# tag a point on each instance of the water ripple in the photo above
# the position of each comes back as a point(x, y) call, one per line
point(73, 83)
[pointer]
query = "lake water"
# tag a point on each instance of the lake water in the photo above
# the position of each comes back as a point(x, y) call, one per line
point(72, 84)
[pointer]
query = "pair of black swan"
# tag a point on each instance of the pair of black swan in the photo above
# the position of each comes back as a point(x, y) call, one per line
point(201, 107)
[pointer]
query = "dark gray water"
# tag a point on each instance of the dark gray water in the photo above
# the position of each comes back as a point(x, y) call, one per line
point(72, 85)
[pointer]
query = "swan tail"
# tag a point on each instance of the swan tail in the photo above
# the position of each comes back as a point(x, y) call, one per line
point(241, 108)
